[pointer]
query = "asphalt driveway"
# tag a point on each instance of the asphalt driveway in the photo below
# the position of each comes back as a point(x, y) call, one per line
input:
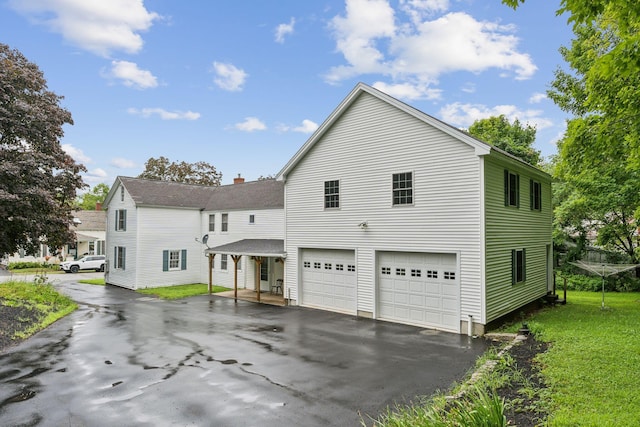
point(128, 359)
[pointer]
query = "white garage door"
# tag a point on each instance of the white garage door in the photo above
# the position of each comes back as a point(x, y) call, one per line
point(329, 279)
point(419, 289)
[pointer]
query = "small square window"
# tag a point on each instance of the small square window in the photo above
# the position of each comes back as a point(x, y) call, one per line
point(432, 274)
point(340, 267)
point(252, 219)
point(317, 265)
point(385, 270)
point(450, 275)
point(307, 264)
point(400, 272)
point(416, 272)
point(327, 266)
point(351, 268)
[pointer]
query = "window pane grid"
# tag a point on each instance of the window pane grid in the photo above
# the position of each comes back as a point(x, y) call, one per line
point(403, 188)
point(332, 194)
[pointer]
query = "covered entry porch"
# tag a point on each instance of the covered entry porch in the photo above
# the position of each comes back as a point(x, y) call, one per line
point(265, 257)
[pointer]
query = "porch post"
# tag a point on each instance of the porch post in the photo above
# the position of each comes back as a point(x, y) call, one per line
point(235, 259)
point(211, 257)
point(258, 260)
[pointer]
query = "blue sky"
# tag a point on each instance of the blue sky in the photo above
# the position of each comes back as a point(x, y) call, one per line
point(243, 84)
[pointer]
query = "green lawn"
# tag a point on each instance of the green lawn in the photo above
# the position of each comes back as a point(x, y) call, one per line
point(43, 298)
point(593, 364)
point(181, 291)
point(92, 281)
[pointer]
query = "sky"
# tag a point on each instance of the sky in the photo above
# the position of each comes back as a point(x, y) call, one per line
point(243, 84)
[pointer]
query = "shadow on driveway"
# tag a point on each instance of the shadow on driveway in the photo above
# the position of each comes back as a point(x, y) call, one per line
point(128, 359)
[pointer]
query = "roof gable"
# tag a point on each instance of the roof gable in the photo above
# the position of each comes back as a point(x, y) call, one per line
point(480, 147)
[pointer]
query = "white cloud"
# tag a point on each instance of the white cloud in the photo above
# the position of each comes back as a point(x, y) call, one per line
point(131, 75)
point(283, 30)
point(76, 153)
point(229, 77)
point(250, 124)
point(468, 87)
point(96, 26)
point(95, 175)
point(422, 50)
point(120, 163)
point(409, 91)
point(164, 114)
point(537, 97)
point(463, 115)
point(307, 126)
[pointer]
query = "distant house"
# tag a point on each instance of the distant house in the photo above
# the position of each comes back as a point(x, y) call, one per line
point(158, 232)
point(90, 234)
point(394, 215)
point(385, 212)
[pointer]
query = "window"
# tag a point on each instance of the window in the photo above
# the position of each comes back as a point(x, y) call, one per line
point(331, 194)
point(432, 274)
point(511, 189)
point(122, 194)
point(307, 264)
point(518, 266)
point(264, 271)
point(225, 222)
point(174, 259)
point(212, 222)
point(92, 247)
point(351, 268)
point(252, 219)
point(400, 272)
point(100, 247)
point(340, 267)
point(316, 265)
point(403, 188)
point(327, 266)
point(450, 275)
point(224, 261)
point(416, 272)
point(119, 257)
point(536, 195)
point(386, 270)
point(121, 220)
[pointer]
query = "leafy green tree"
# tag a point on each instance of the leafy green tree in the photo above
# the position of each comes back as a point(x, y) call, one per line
point(38, 180)
point(97, 194)
point(514, 138)
point(598, 162)
point(189, 173)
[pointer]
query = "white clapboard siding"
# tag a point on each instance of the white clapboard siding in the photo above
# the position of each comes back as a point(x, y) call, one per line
point(127, 239)
point(369, 142)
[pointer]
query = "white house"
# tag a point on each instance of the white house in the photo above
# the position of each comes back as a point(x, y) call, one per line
point(158, 232)
point(394, 215)
point(385, 212)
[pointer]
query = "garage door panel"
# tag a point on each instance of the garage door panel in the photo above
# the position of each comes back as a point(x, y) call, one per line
point(412, 288)
point(326, 280)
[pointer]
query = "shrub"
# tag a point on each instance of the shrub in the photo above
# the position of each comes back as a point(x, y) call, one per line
point(21, 265)
point(623, 282)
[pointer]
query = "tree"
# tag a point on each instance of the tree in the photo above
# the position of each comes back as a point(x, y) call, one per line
point(514, 138)
point(89, 200)
point(38, 180)
point(189, 173)
point(598, 162)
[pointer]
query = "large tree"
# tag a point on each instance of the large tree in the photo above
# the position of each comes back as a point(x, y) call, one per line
point(38, 180)
point(514, 138)
point(89, 200)
point(189, 173)
point(598, 161)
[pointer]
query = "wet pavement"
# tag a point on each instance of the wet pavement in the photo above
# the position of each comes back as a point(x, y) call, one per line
point(128, 359)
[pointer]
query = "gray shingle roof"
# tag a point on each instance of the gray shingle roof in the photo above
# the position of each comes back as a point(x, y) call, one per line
point(256, 247)
point(249, 195)
point(90, 220)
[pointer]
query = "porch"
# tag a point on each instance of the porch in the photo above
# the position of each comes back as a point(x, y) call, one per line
point(250, 295)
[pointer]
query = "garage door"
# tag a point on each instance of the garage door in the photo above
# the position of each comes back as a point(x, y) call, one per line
point(419, 289)
point(329, 279)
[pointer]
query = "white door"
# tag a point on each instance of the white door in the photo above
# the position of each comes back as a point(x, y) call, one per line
point(329, 280)
point(419, 289)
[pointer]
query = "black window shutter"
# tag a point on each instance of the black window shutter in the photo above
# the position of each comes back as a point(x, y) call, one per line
point(506, 187)
point(514, 266)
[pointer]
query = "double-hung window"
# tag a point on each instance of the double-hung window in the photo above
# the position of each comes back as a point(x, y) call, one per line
point(332, 194)
point(225, 222)
point(119, 257)
point(511, 189)
point(402, 188)
point(224, 261)
point(518, 266)
point(121, 220)
point(174, 259)
point(212, 223)
point(536, 195)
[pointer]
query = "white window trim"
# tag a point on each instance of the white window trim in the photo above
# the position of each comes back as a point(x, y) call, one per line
point(413, 189)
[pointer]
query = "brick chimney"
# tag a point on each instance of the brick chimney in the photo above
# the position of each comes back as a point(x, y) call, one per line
point(238, 180)
point(98, 206)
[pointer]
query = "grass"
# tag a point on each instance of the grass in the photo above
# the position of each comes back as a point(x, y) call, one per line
point(181, 291)
point(92, 281)
point(50, 304)
point(593, 365)
point(35, 270)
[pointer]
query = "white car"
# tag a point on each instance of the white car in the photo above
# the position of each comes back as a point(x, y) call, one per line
point(90, 262)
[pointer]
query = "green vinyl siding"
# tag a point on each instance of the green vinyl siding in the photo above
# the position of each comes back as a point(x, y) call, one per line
point(509, 228)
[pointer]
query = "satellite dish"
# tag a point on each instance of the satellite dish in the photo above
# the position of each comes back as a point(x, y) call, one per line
point(205, 239)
